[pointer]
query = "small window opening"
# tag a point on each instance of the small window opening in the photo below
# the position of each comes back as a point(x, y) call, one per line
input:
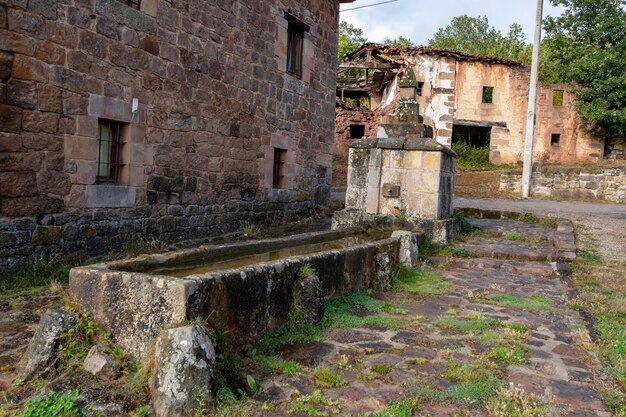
point(280, 164)
point(557, 97)
point(555, 138)
point(109, 147)
point(357, 131)
point(419, 88)
point(135, 4)
point(295, 44)
point(488, 95)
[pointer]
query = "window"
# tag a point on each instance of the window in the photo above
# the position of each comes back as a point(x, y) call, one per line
point(557, 98)
point(555, 138)
point(135, 4)
point(109, 146)
point(295, 44)
point(419, 88)
point(488, 95)
point(280, 164)
point(357, 131)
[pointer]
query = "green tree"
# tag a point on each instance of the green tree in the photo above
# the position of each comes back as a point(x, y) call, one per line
point(586, 45)
point(350, 38)
point(473, 35)
point(400, 41)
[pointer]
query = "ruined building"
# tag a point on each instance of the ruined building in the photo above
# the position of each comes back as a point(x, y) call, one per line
point(482, 101)
point(125, 119)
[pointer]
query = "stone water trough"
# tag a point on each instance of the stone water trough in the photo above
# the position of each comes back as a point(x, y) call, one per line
point(239, 290)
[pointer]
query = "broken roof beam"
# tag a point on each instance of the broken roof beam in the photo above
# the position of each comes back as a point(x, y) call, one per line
point(353, 65)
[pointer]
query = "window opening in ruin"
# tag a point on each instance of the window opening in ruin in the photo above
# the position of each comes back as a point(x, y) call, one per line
point(557, 97)
point(295, 44)
point(109, 146)
point(135, 4)
point(419, 88)
point(474, 136)
point(555, 139)
point(357, 131)
point(488, 95)
point(280, 164)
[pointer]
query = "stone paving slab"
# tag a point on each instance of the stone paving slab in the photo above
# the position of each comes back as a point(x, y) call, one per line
point(522, 293)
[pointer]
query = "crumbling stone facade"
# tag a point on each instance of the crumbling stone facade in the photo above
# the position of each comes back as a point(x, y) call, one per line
point(200, 98)
point(458, 91)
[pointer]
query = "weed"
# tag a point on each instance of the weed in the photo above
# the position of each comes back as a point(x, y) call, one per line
point(422, 282)
point(468, 324)
point(382, 369)
point(326, 378)
point(307, 404)
point(451, 312)
point(250, 229)
point(512, 235)
point(417, 361)
point(38, 273)
point(404, 408)
point(345, 278)
point(255, 389)
point(74, 343)
point(512, 401)
point(588, 257)
point(306, 271)
point(233, 409)
point(57, 404)
point(478, 370)
point(534, 302)
point(143, 245)
point(529, 218)
point(473, 393)
point(471, 157)
point(273, 363)
point(401, 216)
point(509, 356)
point(143, 411)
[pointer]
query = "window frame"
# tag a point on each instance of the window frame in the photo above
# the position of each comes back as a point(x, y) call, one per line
point(133, 4)
point(487, 96)
point(558, 98)
point(279, 168)
point(295, 44)
point(115, 150)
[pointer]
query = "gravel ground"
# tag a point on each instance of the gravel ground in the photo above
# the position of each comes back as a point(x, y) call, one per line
point(605, 222)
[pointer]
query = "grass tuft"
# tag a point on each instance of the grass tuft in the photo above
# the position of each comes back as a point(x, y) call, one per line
point(326, 378)
point(513, 401)
point(534, 302)
point(422, 281)
point(404, 408)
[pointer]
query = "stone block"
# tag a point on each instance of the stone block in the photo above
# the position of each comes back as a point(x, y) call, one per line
point(22, 161)
point(431, 161)
point(26, 22)
point(18, 184)
point(408, 247)
point(61, 33)
point(26, 68)
point(39, 356)
point(22, 93)
point(6, 65)
point(49, 98)
point(16, 42)
point(40, 122)
point(49, 52)
point(184, 360)
point(47, 235)
point(110, 195)
point(10, 119)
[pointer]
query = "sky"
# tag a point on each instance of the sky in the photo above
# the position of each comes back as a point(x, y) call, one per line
point(418, 20)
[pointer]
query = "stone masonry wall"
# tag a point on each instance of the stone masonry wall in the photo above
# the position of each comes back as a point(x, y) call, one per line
point(588, 183)
point(214, 100)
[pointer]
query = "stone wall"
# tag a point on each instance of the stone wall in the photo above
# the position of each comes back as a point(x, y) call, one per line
point(214, 100)
point(506, 115)
point(586, 183)
point(615, 149)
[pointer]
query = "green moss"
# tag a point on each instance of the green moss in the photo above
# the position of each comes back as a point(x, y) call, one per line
point(468, 324)
point(302, 197)
point(588, 257)
point(47, 235)
point(512, 235)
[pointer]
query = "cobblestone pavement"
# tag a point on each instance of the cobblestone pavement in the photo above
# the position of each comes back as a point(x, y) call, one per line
point(604, 221)
point(504, 316)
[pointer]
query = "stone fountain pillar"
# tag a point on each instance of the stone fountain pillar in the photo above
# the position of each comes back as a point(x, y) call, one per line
point(401, 179)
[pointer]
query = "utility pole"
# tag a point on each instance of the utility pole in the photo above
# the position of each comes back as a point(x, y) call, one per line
point(532, 105)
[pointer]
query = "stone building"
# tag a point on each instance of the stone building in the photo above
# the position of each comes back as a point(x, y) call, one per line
point(481, 100)
point(129, 119)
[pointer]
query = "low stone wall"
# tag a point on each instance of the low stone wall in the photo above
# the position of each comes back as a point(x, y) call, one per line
point(80, 235)
point(239, 304)
point(576, 183)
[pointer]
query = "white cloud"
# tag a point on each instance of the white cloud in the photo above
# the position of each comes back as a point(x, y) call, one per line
point(418, 20)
